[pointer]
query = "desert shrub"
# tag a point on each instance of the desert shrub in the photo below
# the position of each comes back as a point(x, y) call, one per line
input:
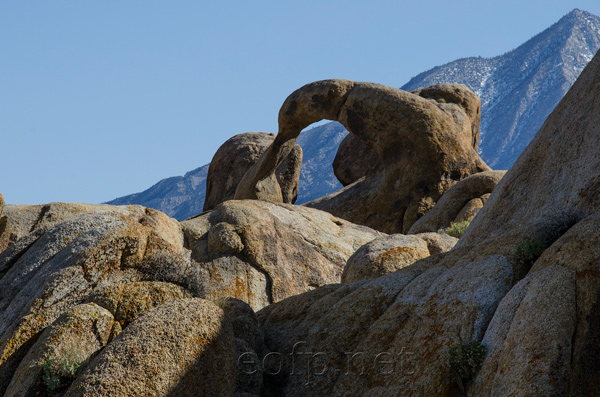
point(57, 373)
point(457, 229)
point(465, 361)
point(529, 250)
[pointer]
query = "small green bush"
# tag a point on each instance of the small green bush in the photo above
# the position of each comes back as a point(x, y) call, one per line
point(528, 251)
point(457, 229)
point(465, 361)
point(57, 375)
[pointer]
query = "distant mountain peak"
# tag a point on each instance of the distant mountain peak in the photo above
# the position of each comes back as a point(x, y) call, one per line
point(519, 89)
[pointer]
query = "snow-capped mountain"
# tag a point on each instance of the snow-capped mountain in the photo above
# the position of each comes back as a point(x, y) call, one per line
point(518, 91)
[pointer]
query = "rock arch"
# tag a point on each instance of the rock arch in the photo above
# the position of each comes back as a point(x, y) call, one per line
point(426, 141)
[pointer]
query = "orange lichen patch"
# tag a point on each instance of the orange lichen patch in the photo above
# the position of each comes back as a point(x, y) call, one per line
point(390, 254)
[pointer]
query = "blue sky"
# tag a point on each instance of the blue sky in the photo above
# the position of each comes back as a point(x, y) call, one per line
point(99, 99)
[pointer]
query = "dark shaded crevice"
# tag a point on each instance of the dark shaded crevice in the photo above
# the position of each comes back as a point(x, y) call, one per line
point(40, 217)
point(10, 258)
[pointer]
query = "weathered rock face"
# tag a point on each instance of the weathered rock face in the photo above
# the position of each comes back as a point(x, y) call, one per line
point(1, 203)
point(382, 256)
point(184, 347)
point(46, 274)
point(236, 156)
point(262, 252)
point(386, 336)
point(128, 300)
point(460, 202)
point(63, 347)
point(438, 242)
point(426, 141)
point(22, 220)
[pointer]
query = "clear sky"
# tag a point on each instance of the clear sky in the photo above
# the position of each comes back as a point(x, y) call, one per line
point(99, 99)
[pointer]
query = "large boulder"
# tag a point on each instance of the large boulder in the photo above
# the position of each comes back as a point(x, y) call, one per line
point(426, 141)
point(384, 255)
point(236, 156)
point(458, 202)
point(184, 347)
point(56, 270)
point(263, 252)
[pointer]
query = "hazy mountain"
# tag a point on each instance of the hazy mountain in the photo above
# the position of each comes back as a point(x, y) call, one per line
point(179, 197)
point(518, 91)
point(319, 145)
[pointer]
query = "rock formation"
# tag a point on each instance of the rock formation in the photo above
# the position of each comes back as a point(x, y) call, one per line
point(100, 300)
point(523, 280)
point(461, 202)
point(262, 252)
point(354, 160)
point(184, 347)
point(233, 159)
point(382, 256)
point(118, 263)
point(24, 220)
point(426, 141)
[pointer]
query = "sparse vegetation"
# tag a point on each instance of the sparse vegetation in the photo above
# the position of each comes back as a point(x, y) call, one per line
point(465, 360)
point(457, 229)
point(528, 251)
point(58, 373)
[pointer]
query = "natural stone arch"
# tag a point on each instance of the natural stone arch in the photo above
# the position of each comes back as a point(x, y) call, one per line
point(426, 141)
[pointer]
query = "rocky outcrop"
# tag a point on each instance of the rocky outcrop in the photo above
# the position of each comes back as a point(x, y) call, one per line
point(132, 260)
point(263, 252)
point(523, 281)
point(23, 220)
point(434, 133)
point(233, 159)
point(382, 256)
point(438, 242)
point(127, 301)
point(460, 202)
point(184, 347)
point(56, 270)
point(1, 203)
point(387, 336)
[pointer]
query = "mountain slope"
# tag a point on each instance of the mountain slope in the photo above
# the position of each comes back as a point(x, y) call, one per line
point(519, 89)
point(179, 197)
